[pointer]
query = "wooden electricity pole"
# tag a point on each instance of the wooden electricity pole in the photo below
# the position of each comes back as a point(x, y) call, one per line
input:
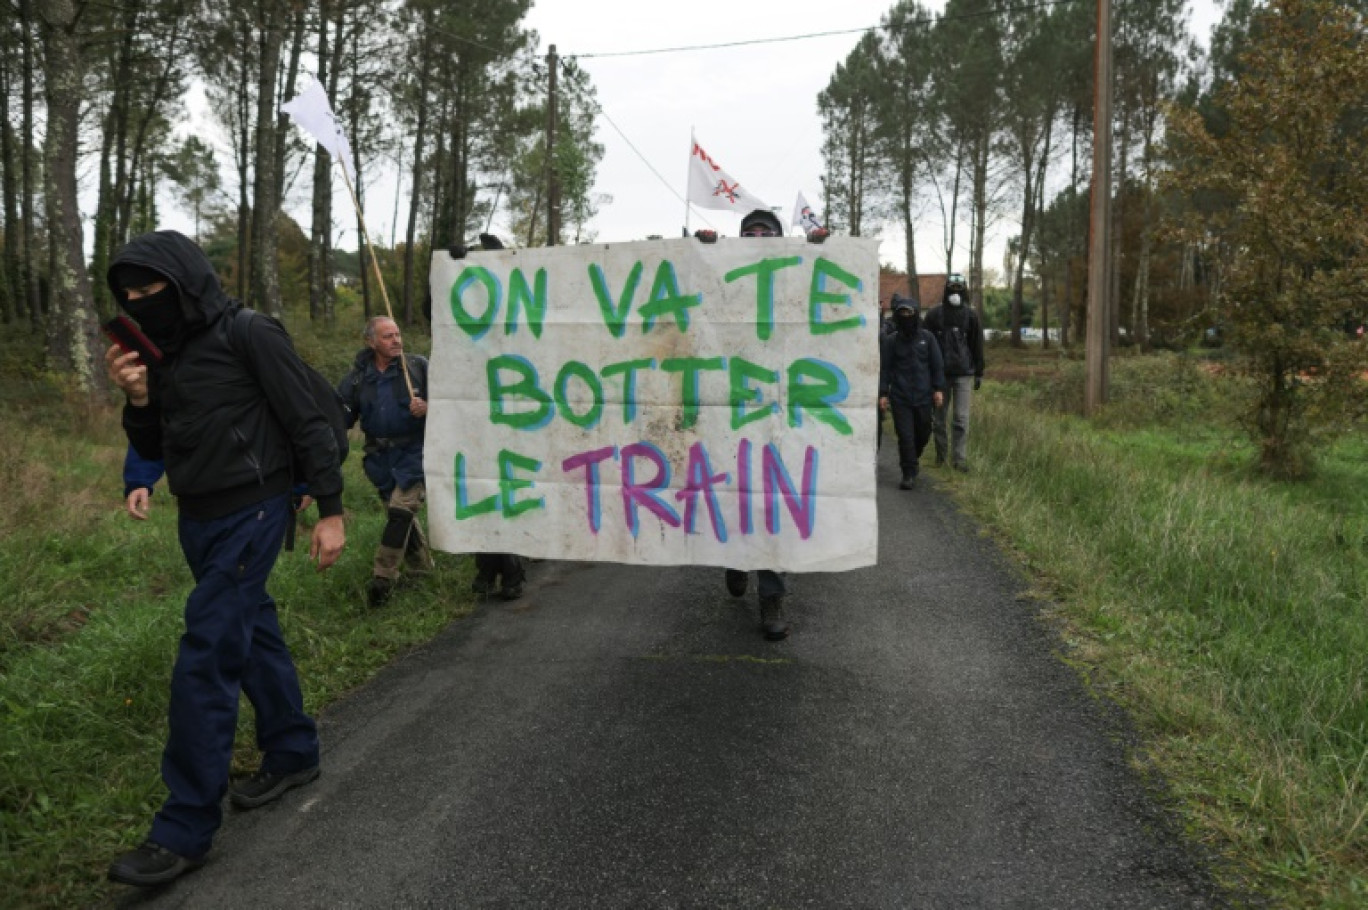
point(552, 178)
point(1099, 247)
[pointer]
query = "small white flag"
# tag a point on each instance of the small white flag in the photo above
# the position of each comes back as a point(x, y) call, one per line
point(710, 187)
point(312, 113)
point(803, 215)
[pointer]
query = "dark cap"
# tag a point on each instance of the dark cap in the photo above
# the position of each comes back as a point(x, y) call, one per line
point(762, 218)
point(900, 303)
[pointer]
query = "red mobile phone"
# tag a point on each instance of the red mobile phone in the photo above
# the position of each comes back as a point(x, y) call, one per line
point(125, 333)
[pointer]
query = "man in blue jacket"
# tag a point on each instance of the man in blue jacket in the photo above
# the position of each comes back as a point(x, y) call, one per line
point(387, 391)
point(230, 421)
point(911, 382)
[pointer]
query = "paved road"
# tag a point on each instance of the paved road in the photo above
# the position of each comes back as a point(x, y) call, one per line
point(623, 738)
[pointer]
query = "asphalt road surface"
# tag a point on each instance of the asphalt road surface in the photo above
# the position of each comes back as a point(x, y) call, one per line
point(623, 737)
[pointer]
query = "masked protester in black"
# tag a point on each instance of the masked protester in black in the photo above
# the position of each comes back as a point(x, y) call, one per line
point(960, 334)
point(911, 382)
point(229, 420)
point(773, 625)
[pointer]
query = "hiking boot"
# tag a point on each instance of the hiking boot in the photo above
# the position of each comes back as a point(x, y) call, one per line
point(265, 786)
point(151, 864)
point(379, 591)
point(772, 622)
point(737, 581)
point(909, 482)
point(512, 592)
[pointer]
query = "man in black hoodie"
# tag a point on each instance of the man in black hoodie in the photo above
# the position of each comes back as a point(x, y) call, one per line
point(911, 383)
point(230, 413)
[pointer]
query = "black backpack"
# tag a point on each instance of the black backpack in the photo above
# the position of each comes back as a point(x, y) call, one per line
point(329, 402)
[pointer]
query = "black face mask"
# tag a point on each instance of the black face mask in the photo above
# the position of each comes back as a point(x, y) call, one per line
point(159, 316)
point(908, 325)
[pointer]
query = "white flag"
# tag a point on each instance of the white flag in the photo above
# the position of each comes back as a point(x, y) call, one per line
point(803, 215)
point(311, 112)
point(710, 187)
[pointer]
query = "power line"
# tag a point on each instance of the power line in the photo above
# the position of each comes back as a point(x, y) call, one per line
point(927, 20)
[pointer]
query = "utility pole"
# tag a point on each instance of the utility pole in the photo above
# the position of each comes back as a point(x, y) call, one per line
point(1099, 246)
point(552, 178)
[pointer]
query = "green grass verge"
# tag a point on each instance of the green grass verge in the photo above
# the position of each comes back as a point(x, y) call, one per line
point(88, 631)
point(1226, 613)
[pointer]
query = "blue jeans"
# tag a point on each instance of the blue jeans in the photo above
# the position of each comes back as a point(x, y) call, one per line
point(232, 643)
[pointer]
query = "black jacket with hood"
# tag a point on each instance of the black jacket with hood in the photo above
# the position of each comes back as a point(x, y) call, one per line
point(226, 421)
point(945, 319)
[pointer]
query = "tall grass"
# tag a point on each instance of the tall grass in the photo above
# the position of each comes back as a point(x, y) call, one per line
point(1227, 612)
point(89, 623)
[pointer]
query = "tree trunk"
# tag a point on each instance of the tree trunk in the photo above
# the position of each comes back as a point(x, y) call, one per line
point(244, 160)
point(980, 224)
point(907, 173)
point(265, 265)
point(416, 196)
point(297, 29)
point(9, 191)
point(320, 225)
point(28, 255)
point(1118, 227)
point(71, 326)
point(1028, 194)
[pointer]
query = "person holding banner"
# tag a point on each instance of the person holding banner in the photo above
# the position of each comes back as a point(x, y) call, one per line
point(911, 383)
point(773, 625)
point(394, 420)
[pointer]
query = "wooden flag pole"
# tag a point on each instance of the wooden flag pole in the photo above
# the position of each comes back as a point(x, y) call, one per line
point(379, 279)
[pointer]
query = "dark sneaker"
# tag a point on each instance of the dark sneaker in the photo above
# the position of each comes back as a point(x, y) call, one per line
point(512, 592)
point(962, 467)
point(151, 864)
point(909, 482)
point(264, 786)
point(773, 625)
point(737, 582)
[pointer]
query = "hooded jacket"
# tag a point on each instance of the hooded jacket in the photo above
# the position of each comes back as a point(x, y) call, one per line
point(945, 319)
point(910, 367)
point(226, 421)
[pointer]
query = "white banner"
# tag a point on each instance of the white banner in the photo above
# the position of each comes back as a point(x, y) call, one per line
point(803, 215)
point(666, 402)
point(312, 113)
point(710, 187)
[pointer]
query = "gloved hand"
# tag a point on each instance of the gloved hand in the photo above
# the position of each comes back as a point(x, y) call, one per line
point(978, 381)
point(706, 236)
point(457, 251)
point(817, 235)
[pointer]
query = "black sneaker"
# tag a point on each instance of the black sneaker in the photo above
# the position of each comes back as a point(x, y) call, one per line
point(151, 864)
point(379, 591)
point(909, 482)
point(962, 467)
point(264, 786)
point(512, 592)
point(773, 625)
point(737, 581)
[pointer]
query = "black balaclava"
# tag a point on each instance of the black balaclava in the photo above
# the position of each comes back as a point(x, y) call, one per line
point(907, 319)
point(159, 315)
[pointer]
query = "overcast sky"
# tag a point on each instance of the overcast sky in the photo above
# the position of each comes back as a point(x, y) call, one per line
point(752, 107)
